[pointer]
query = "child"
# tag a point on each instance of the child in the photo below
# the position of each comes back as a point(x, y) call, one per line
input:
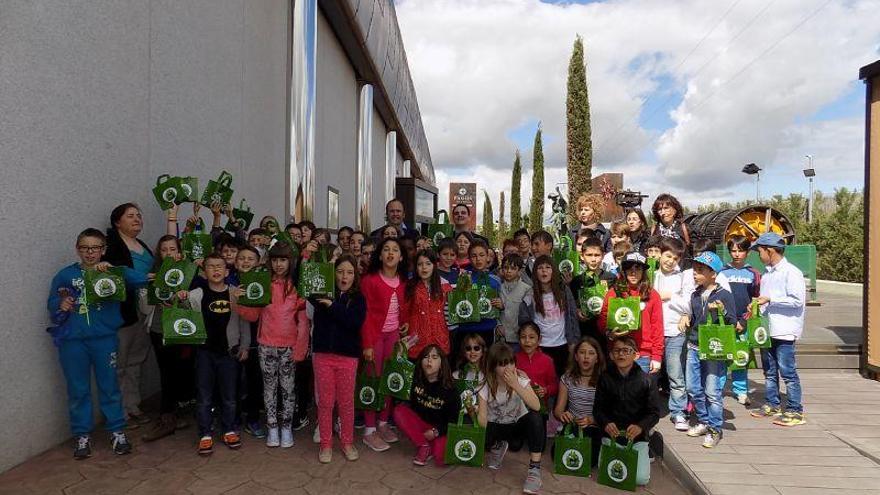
point(625, 395)
point(651, 247)
point(389, 231)
point(542, 245)
point(701, 245)
point(426, 301)
point(446, 266)
point(535, 364)
point(259, 239)
point(367, 249)
point(217, 360)
point(295, 233)
point(577, 390)
point(283, 337)
point(307, 228)
point(591, 258)
point(228, 248)
point(356, 242)
point(745, 283)
point(408, 244)
point(675, 287)
point(513, 292)
point(336, 349)
point(433, 404)
point(591, 208)
point(269, 224)
point(508, 409)
point(649, 338)
point(703, 378)
point(783, 297)
point(463, 241)
point(343, 238)
point(553, 308)
point(486, 327)
point(619, 234)
point(638, 228)
point(423, 243)
point(523, 244)
point(86, 339)
point(246, 260)
point(471, 359)
point(384, 289)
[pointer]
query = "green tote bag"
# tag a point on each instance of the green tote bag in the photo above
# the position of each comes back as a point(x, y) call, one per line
point(105, 286)
point(717, 342)
point(758, 329)
point(465, 443)
point(397, 374)
point(572, 454)
point(196, 244)
point(257, 287)
point(464, 302)
point(218, 191)
point(440, 229)
point(484, 303)
point(182, 326)
point(166, 191)
point(366, 389)
point(624, 314)
point(743, 358)
point(618, 465)
point(242, 218)
point(566, 258)
point(158, 295)
point(317, 277)
point(187, 190)
point(592, 298)
point(175, 275)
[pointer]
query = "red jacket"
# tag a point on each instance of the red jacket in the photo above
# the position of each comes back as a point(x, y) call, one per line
point(378, 296)
point(650, 337)
point(427, 319)
point(540, 370)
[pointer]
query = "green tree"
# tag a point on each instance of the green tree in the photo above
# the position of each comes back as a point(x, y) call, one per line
point(515, 208)
point(536, 212)
point(579, 144)
point(488, 230)
point(503, 231)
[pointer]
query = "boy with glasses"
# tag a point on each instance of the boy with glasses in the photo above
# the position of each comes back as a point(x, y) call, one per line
point(625, 403)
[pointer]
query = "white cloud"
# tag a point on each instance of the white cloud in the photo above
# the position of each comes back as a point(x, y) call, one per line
point(483, 68)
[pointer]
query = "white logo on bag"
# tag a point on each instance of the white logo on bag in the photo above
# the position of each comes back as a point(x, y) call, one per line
point(162, 294)
point(187, 190)
point(367, 395)
point(761, 335)
point(395, 382)
point(464, 309)
point(617, 470)
point(485, 305)
point(624, 316)
point(105, 287)
point(174, 277)
point(184, 327)
point(439, 236)
point(169, 194)
point(566, 266)
point(715, 346)
point(742, 358)
point(254, 290)
point(465, 450)
point(594, 304)
point(572, 460)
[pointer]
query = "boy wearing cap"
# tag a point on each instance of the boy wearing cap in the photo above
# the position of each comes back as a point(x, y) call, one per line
point(703, 378)
point(782, 299)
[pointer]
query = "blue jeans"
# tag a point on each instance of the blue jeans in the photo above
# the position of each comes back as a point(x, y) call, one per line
point(778, 360)
point(704, 388)
point(78, 357)
point(220, 370)
point(644, 363)
point(674, 360)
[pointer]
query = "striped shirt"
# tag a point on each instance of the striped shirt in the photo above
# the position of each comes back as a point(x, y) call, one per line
point(580, 397)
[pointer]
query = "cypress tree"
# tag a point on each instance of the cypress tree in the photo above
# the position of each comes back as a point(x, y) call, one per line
point(536, 212)
point(502, 224)
point(579, 144)
point(515, 209)
point(488, 229)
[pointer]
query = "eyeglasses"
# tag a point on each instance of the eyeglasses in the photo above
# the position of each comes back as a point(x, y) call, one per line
point(90, 249)
point(473, 348)
point(626, 351)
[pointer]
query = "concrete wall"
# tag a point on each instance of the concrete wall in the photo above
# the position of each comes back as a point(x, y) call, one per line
point(98, 99)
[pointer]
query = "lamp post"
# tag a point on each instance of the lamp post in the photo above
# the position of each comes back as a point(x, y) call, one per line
point(809, 173)
point(752, 169)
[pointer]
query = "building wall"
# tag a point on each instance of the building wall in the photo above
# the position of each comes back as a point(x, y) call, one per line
point(377, 209)
point(98, 99)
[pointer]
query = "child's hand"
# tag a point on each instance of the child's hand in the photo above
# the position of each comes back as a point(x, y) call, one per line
point(540, 391)
point(199, 262)
point(323, 301)
point(182, 295)
point(368, 355)
point(654, 366)
point(633, 431)
point(216, 209)
point(567, 417)
point(612, 430)
point(739, 328)
point(584, 422)
point(229, 212)
point(172, 212)
point(66, 304)
point(404, 329)
point(103, 266)
point(510, 378)
point(196, 208)
point(716, 305)
point(496, 303)
point(684, 323)
point(429, 434)
point(242, 355)
point(581, 316)
point(763, 300)
point(567, 277)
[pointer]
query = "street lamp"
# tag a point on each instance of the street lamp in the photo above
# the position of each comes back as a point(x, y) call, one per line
point(752, 169)
point(809, 173)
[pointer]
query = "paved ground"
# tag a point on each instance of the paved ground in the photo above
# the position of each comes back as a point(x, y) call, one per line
point(836, 453)
point(838, 319)
point(171, 466)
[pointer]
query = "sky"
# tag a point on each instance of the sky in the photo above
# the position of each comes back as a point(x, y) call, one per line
point(683, 93)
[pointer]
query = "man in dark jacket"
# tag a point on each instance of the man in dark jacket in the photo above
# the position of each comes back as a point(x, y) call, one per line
point(625, 396)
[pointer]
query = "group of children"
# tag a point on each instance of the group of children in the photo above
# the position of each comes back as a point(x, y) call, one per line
point(542, 363)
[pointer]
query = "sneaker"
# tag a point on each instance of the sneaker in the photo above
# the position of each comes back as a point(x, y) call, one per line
point(791, 419)
point(302, 423)
point(375, 442)
point(286, 437)
point(387, 433)
point(325, 456)
point(681, 423)
point(712, 438)
point(316, 436)
point(206, 445)
point(423, 455)
point(533, 483)
point(743, 399)
point(496, 455)
point(165, 426)
point(697, 430)
point(350, 453)
point(766, 411)
point(273, 438)
point(255, 429)
point(232, 439)
point(82, 447)
point(119, 443)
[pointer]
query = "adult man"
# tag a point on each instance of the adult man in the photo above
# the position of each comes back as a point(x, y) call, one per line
point(783, 296)
point(461, 215)
point(394, 214)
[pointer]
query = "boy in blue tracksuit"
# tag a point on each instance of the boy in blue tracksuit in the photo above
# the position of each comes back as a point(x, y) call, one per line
point(487, 328)
point(86, 338)
point(745, 284)
point(703, 379)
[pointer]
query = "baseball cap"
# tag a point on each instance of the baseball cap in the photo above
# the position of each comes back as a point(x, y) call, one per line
point(634, 258)
point(711, 260)
point(769, 239)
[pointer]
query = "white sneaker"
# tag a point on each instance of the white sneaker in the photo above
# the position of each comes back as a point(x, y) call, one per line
point(743, 399)
point(272, 437)
point(681, 423)
point(495, 455)
point(286, 437)
point(698, 430)
point(316, 436)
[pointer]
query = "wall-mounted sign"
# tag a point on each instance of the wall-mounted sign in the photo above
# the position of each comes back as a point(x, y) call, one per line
point(464, 193)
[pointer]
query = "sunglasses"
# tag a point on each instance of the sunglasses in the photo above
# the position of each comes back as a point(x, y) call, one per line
point(473, 348)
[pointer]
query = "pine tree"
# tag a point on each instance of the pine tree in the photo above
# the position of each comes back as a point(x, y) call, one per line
point(516, 222)
point(488, 230)
point(502, 223)
point(578, 130)
point(536, 212)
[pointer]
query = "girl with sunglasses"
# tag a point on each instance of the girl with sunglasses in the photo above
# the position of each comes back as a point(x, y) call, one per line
point(471, 359)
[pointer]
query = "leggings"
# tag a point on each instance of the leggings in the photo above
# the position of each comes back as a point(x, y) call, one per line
point(381, 351)
point(530, 427)
point(278, 369)
point(335, 376)
point(414, 427)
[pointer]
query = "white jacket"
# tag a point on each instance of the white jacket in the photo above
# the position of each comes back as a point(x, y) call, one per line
point(681, 285)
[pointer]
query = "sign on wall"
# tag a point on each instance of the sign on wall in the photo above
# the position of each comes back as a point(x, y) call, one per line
point(464, 193)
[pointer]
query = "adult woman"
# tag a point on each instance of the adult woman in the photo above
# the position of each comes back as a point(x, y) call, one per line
point(638, 227)
point(590, 208)
point(125, 249)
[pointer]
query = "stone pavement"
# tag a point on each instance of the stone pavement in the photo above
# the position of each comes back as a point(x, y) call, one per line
point(171, 466)
point(837, 452)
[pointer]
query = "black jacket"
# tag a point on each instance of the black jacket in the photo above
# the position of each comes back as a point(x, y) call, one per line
point(601, 233)
point(626, 400)
point(117, 254)
point(435, 404)
point(337, 328)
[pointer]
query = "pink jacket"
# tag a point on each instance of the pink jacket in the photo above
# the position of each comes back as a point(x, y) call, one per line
point(283, 323)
